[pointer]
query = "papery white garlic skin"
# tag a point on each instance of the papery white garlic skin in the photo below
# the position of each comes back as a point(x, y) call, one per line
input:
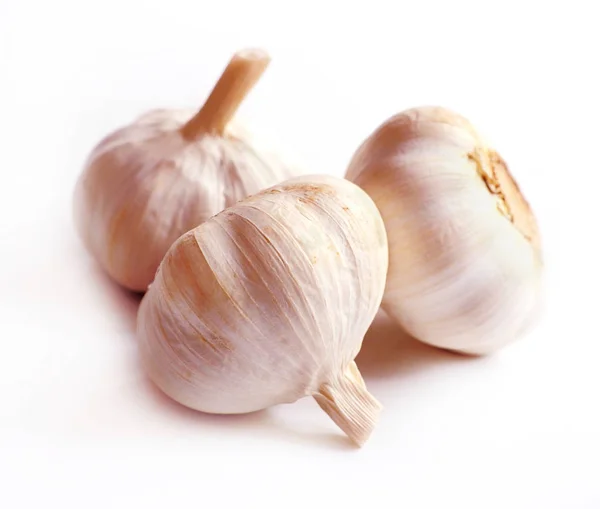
point(149, 182)
point(145, 185)
point(268, 302)
point(465, 268)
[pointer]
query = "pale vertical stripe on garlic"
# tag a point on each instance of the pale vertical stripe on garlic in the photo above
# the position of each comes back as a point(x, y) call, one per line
point(149, 182)
point(268, 302)
point(465, 255)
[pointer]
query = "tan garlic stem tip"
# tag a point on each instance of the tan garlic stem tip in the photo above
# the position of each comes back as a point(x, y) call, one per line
point(349, 405)
point(239, 77)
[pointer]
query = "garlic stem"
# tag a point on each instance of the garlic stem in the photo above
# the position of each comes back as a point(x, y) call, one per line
point(239, 77)
point(349, 405)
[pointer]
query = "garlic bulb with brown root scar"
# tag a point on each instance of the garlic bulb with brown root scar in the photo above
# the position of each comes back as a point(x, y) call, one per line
point(465, 254)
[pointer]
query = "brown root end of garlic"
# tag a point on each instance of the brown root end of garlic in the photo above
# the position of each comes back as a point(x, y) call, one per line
point(511, 202)
point(239, 77)
point(349, 405)
point(521, 214)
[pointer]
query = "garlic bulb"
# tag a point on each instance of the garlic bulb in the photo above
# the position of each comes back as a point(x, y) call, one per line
point(268, 302)
point(149, 182)
point(465, 253)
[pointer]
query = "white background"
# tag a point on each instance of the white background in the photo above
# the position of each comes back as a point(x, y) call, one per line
point(80, 426)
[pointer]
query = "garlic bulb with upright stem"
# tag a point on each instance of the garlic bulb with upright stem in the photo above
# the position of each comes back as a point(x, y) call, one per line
point(465, 254)
point(147, 183)
point(268, 302)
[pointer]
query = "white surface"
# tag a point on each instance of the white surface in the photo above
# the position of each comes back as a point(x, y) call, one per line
point(79, 424)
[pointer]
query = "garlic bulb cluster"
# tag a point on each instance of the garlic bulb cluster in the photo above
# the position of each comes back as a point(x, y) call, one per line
point(150, 182)
point(465, 254)
point(268, 302)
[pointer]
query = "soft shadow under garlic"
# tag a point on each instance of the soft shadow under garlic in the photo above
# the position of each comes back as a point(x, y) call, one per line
point(390, 352)
point(259, 424)
point(124, 303)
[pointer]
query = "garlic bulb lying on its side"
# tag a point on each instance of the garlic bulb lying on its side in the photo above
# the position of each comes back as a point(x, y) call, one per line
point(268, 302)
point(150, 182)
point(465, 255)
